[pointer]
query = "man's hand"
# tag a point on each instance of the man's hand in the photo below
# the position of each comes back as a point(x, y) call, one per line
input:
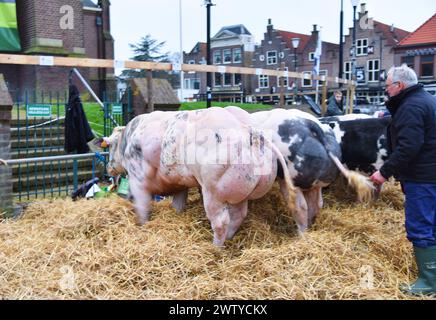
point(377, 178)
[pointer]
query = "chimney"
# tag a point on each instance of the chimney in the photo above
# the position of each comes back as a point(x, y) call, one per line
point(269, 28)
point(315, 28)
point(392, 28)
point(363, 8)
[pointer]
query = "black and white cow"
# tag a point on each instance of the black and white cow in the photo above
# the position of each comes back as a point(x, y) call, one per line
point(313, 158)
point(363, 141)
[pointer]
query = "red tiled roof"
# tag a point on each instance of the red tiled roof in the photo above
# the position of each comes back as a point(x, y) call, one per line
point(424, 34)
point(393, 37)
point(287, 37)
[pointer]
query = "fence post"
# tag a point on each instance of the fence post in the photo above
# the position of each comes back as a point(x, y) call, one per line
point(6, 207)
point(150, 104)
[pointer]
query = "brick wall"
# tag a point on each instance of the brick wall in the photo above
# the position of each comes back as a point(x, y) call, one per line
point(5, 150)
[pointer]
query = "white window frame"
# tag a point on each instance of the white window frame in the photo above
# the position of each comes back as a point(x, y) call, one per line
point(348, 74)
point(224, 80)
point(285, 80)
point(261, 78)
point(229, 51)
point(187, 83)
point(311, 56)
point(270, 60)
point(215, 55)
point(323, 73)
point(372, 72)
point(240, 55)
point(302, 80)
point(360, 46)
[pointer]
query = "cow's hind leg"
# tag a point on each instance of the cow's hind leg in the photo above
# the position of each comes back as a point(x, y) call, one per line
point(314, 203)
point(142, 200)
point(219, 217)
point(179, 200)
point(237, 215)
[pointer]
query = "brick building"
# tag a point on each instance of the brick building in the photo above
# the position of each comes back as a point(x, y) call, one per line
point(44, 30)
point(231, 46)
point(418, 51)
point(195, 81)
point(375, 43)
point(277, 48)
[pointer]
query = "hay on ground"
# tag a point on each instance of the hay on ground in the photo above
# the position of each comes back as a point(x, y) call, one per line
point(92, 249)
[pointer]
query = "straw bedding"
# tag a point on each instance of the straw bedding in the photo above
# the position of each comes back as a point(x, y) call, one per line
point(92, 249)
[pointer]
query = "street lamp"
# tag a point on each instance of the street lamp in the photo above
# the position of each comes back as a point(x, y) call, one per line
point(354, 3)
point(208, 4)
point(295, 44)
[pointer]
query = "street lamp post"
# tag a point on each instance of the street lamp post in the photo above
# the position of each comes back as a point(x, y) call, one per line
point(295, 44)
point(208, 4)
point(341, 43)
point(354, 3)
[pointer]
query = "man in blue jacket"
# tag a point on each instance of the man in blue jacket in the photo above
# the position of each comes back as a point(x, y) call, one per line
point(412, 161)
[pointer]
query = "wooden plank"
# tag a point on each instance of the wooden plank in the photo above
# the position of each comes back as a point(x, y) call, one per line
point(147, 65)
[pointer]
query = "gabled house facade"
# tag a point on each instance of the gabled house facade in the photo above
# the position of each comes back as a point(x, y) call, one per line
point(277, 48)
point(375, 43)
point(418, 51)
point(231, 46)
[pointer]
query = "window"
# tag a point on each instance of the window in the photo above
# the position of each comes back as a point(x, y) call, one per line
point(271, 57)
point(362, 47)
point(196, 84)
point(410, 61)
point(218, 80)
point(347, 70)
point(373, 67)
point(307, 82)
point(263, 81)
point(228, 79)
point(238, 79)
point(227, 56)
point(285, 80)
point(217, 57)
point(427, 66)
point(191, 62)
point(312, 56)
point(323, 73)
point(237, 56)
point(187, 84)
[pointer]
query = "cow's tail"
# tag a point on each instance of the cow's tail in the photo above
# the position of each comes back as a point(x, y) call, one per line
point(292, 198)
point(359, 182)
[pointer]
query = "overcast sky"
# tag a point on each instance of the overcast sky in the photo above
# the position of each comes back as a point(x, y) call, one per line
point(133, 19)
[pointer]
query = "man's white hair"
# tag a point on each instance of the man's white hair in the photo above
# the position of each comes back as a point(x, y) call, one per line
point(403, 74)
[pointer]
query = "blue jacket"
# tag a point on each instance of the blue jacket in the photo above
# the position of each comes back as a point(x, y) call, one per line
point(412, 137)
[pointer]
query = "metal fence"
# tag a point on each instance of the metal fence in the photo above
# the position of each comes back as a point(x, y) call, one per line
point(40, 168)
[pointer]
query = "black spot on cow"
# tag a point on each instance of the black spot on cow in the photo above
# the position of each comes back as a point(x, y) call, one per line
point(136, 152)
point(218, 138)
